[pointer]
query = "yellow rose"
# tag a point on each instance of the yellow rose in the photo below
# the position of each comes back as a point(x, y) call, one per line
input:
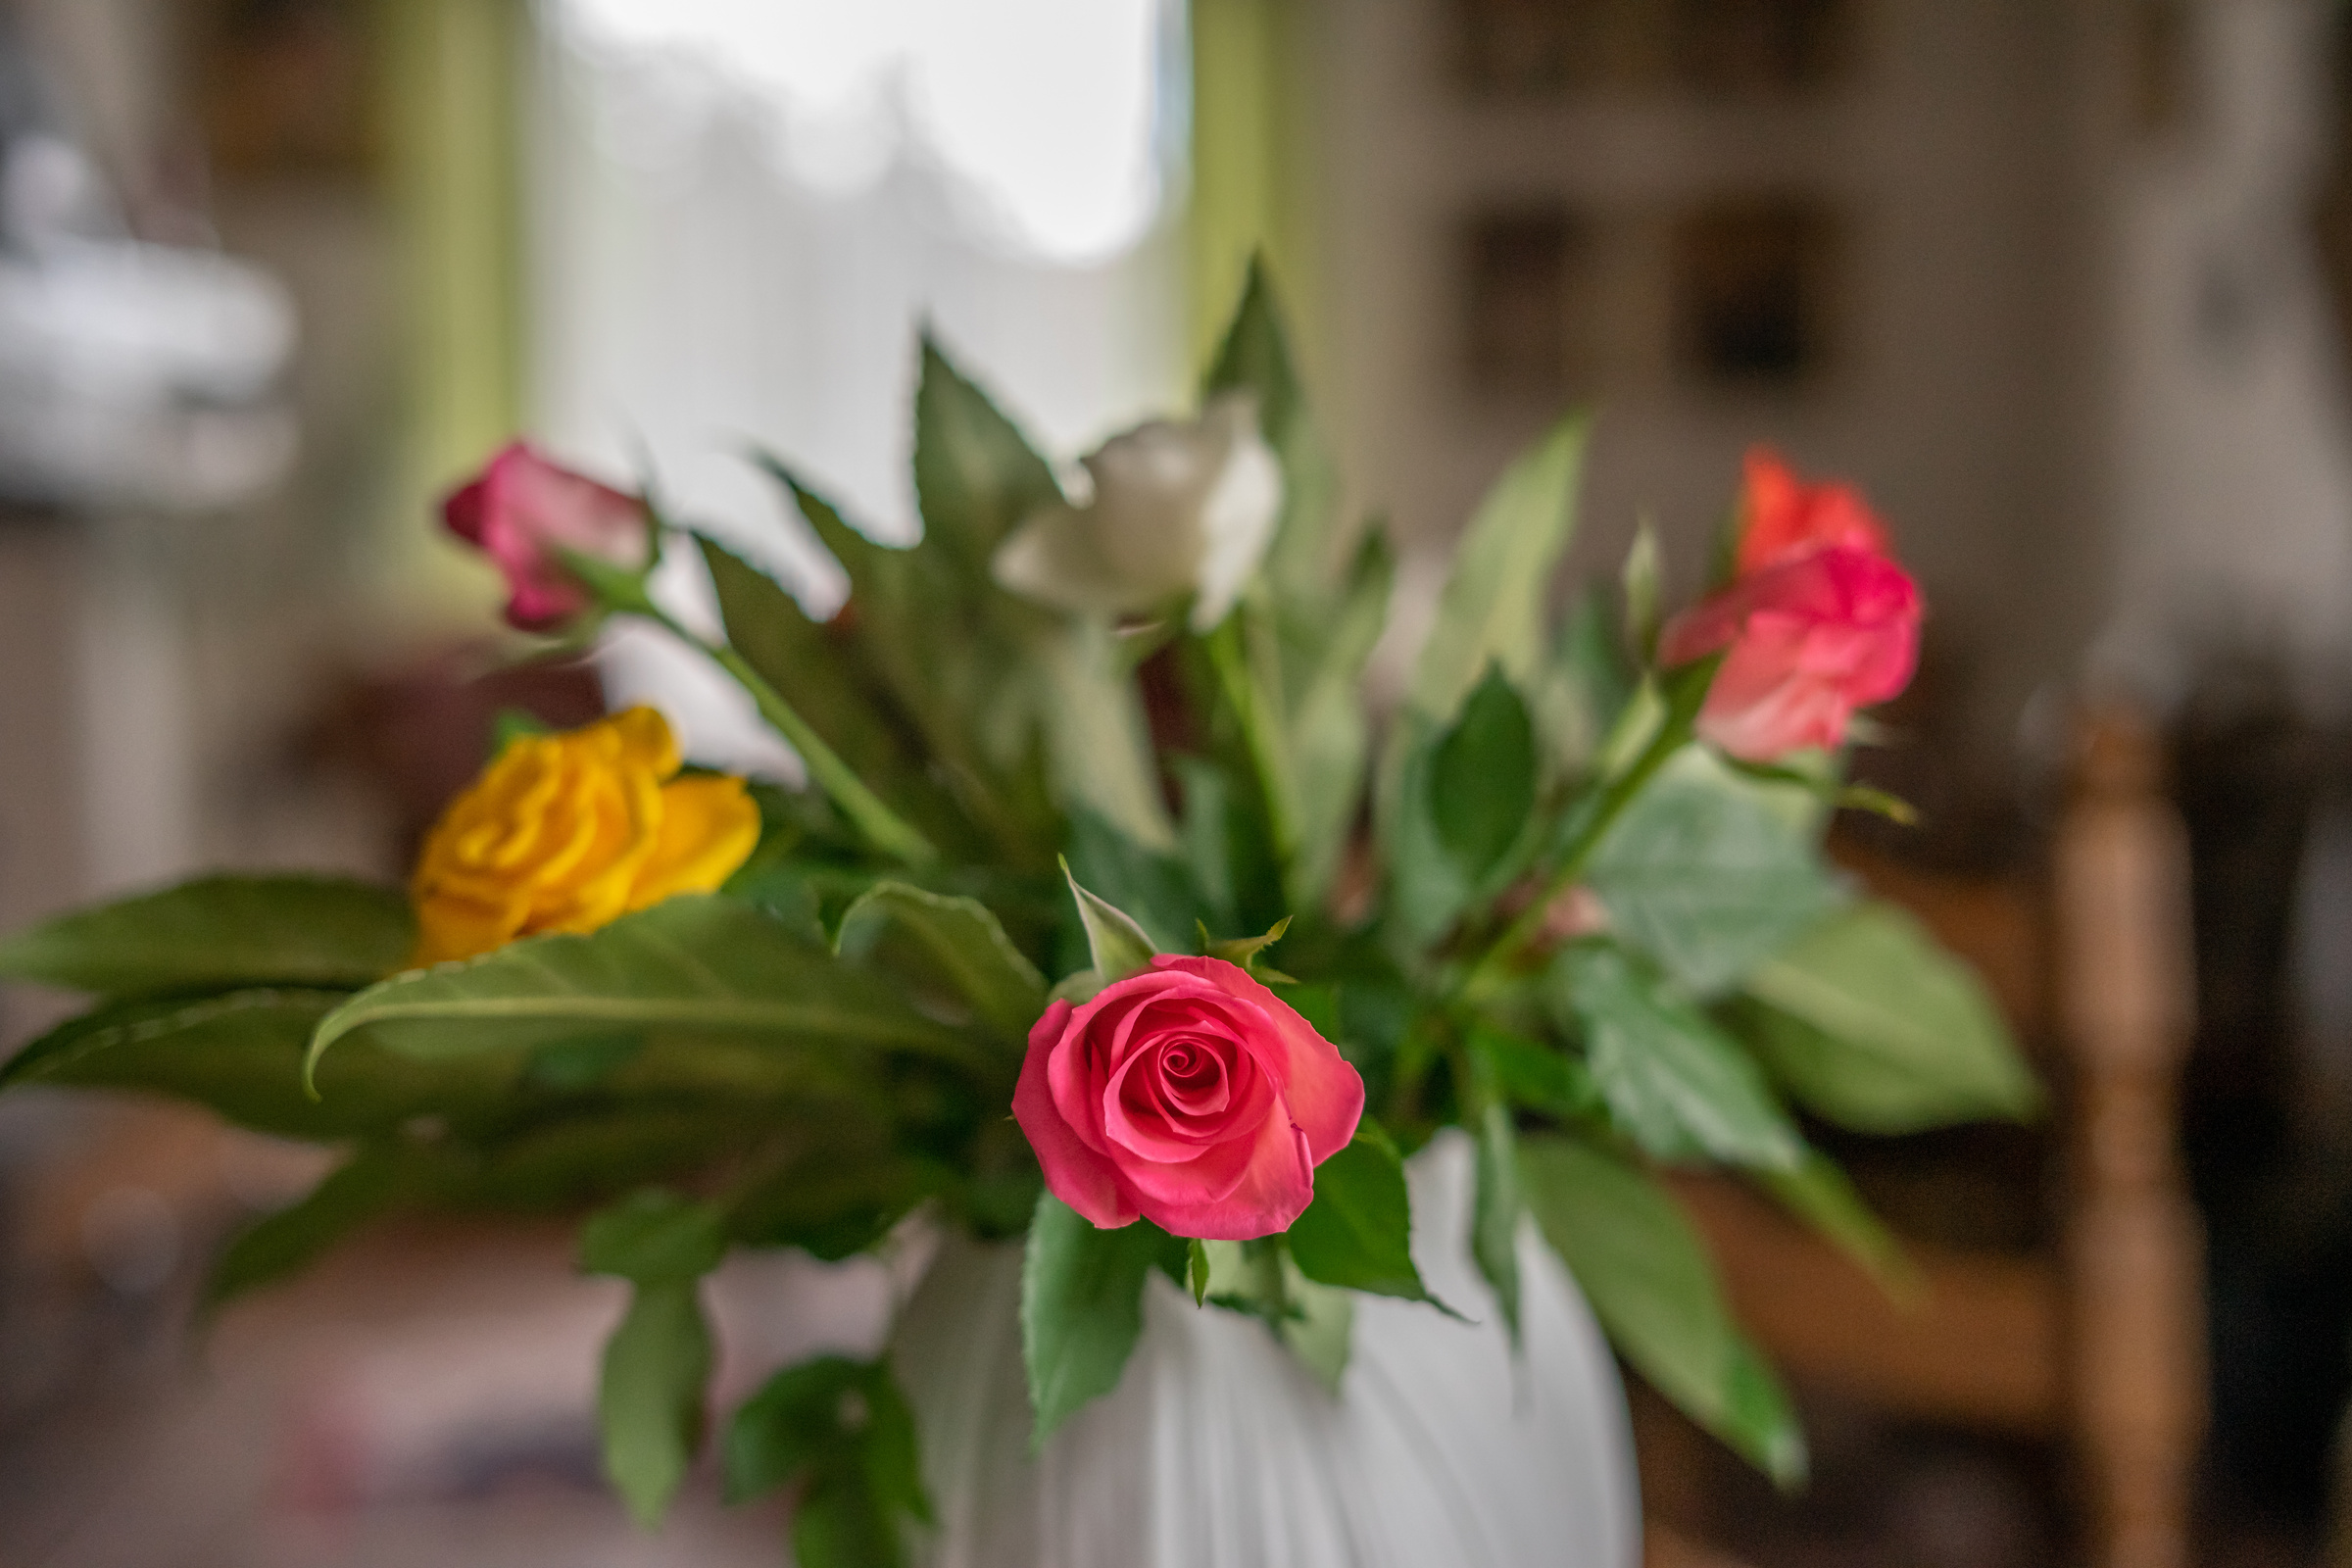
point(569, 832)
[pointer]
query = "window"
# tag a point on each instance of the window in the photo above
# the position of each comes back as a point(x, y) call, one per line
point(1527, 290)
point(1711, 47)
point(1752, 285)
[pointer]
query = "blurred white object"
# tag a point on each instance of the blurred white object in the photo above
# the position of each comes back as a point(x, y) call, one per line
point(1047, 111)
point(1177, 508)
point(130, 375)
point(1218, 1451)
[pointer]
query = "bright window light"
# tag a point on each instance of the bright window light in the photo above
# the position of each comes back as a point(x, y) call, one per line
point(1047, 109)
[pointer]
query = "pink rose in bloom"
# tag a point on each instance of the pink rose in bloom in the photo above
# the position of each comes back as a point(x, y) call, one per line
point(1818, 622)
point(1782, 517)
point(1188, 1095)
point(522, 509)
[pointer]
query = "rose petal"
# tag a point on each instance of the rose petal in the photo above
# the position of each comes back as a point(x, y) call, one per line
point(1079, 1068)
point(1191, 1083)
point(1274, 1185)
point(1811, 639)
point(1056, 559)
point(461, 513)
point(1158, 1137)
point(1074, 1172)
point(1325, 1095)
point(1188, 1013)
point(1783, 518)
point(1207, 1175)
point(710, 827)
point(523, 508)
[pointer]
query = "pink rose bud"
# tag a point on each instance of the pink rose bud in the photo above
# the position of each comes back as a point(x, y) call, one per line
point(1820, 621)
point(1188, 1095)
point(523, 508)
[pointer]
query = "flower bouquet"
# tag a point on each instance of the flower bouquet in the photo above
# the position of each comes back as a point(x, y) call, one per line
point(1109, 922)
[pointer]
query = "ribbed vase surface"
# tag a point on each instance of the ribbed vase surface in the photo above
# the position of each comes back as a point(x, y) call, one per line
point(1442, 1450)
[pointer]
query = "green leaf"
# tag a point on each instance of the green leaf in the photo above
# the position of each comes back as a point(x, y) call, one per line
point(828, 687)
point(614, 588)
point(1643, 566)
point(1320, 1327)
point(1313, 1321)
point(1537, 1076)
point(1650, 1281)
point(1643, 720)
point(1875, 1027)
point(650, 1400)
point(961, 943)
point(1209, 837)
point(1428, 887)
point(1676, 1084)
point(835, 1424)
point(1082, 1306)
point(241, 1056)
point(1878, 802)
point(1154, 890)
point(1077, 987)
point(1584, 687)
point(1358, 1233)
point(838, 1525)
point(1095, 728)
point(1703, 875)
point(1197, 1269)
point(512, 725)
point(1327, 729)
point(1243, 951)
point(1495, 1209)
point(951, 650)
point(1119, 945)
point(1255, 357)
point(1318, 1005)
point(1815, 774)
point(893, 1468)
point(837, 1195)
point(569, 1066)
point(654, 1237)
point(279, 1245)
point(696, 964)
point(557, 1163)
point(888, 582)
point(1492, 609)
point(1818, 1193)
point(1481, 778)
point(976, 477)
point(218, 933)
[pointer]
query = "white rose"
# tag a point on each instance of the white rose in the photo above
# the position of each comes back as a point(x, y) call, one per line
point(1177, 509)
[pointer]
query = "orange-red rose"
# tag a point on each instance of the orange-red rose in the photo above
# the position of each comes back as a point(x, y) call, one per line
point(1782, 517)
point(1818, 622)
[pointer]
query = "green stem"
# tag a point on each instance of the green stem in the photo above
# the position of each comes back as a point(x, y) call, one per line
point(881, 826)
point(1273, 1290)
point(1522, 932)
point(1225, 655)
point(1417, 1053)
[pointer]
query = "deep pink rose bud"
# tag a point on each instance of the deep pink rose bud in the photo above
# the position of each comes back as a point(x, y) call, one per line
point(1811, 640)
point(1188, 1095)
point(522, 509)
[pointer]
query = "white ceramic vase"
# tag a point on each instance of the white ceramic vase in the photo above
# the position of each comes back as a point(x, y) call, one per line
point(1218, 1451)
